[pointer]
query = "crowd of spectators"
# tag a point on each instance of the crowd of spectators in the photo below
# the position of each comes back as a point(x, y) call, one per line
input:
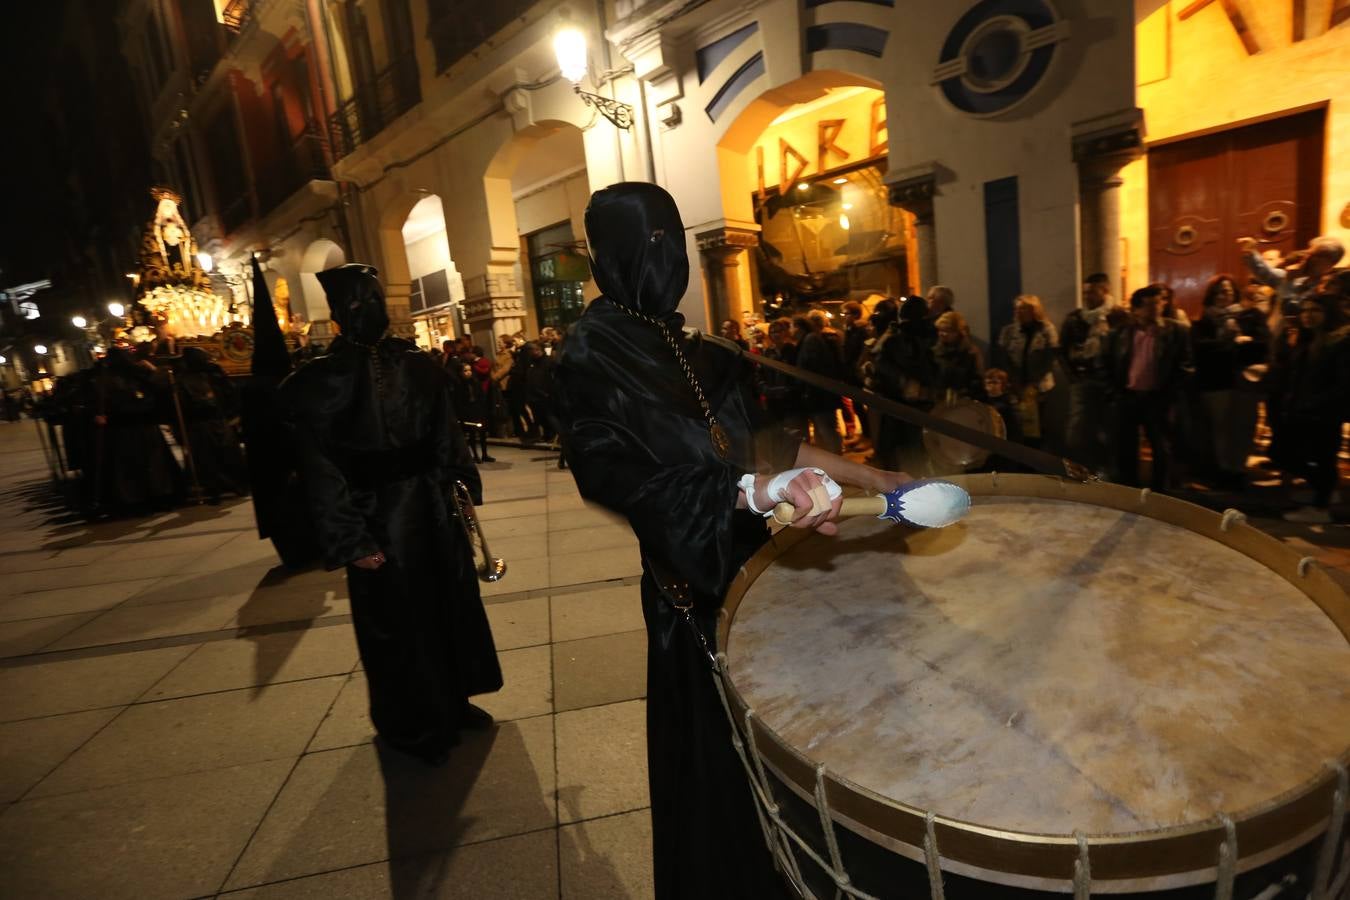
point(1272, 345)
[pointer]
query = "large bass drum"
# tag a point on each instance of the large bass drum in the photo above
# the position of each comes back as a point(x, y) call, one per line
point(1080, 689)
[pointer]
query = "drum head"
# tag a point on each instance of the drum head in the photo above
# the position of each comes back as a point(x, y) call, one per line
point(1046, 666)
point(950, 456)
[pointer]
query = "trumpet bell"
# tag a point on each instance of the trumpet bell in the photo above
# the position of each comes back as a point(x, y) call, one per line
point(493, 571)
point(490, 568)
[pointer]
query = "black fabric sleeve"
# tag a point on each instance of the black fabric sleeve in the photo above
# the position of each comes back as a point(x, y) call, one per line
point(681, 513)
point(342, 532)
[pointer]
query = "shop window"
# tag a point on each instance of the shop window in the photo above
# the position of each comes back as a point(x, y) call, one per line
point(435, 289)
point(559, 272)
point(832, 237)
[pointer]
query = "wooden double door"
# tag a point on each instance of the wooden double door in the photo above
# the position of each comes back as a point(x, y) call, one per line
point(1262, 181)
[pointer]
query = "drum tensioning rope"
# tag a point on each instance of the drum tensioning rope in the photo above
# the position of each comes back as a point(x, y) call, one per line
point(780, 836)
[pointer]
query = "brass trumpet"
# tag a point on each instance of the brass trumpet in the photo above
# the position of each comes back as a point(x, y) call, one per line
point(490, 568)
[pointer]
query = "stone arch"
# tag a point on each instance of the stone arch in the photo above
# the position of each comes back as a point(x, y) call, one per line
point(739, 138)
point(319, 255)
point(732, 276)
point(536, 156)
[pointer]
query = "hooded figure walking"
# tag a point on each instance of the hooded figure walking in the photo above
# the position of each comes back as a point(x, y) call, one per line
point(664, 428)
point(380, 450)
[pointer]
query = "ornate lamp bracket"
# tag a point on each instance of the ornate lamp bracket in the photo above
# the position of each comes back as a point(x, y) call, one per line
point(621, 114)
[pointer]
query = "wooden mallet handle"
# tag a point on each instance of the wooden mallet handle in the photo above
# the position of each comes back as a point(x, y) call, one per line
point(820, 500)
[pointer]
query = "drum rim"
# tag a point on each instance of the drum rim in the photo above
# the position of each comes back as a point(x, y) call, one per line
point(1154, 859)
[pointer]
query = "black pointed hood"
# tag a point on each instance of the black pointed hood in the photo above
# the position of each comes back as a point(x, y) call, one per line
point(270, 356)
point(356, 301)
point(637, 246)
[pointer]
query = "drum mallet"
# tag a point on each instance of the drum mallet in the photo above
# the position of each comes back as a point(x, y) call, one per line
point(925, 503)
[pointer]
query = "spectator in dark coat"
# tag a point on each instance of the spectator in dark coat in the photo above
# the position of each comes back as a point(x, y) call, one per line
point(959, 367)
point(782, 394)
point(906, 371)
point(820, 350)
point(539, 389)
point(1314, 383)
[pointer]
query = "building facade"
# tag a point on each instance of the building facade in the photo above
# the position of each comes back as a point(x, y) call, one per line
point(236, 95)
point(818, 149)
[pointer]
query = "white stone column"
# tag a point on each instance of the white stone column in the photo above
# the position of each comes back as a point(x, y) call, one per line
point(913, 190)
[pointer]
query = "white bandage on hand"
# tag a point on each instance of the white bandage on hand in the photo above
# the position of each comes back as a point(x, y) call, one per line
point(778, 486)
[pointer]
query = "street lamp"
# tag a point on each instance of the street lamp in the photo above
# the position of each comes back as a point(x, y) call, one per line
point(40, 349)
point(206, 262)
point(117, 310)
point(79, 321)
point(569, 45)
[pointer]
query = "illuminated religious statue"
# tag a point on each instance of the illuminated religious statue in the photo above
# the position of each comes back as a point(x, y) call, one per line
point(171, 232)
point(174, 293)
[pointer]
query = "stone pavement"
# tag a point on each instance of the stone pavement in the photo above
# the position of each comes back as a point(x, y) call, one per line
point(180, 718)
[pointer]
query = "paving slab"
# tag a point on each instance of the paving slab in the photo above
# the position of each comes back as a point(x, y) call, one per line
point(602, 761)
point(166, 838)
point(597, 670)
point(519, 623)
point(64, 601)
point(363, 804)
point(595, 612)
point(609, 857)
point(589, 566)
point(348, 720)
point(591, 539)
point(72, 685)
point(32, 748)
point(261, 659)
point(137, 623)
point(196, 734)
point(527, 690)
point(30, 635)
point(524, 867)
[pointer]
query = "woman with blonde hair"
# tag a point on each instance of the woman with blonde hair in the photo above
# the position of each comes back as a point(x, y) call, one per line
point(1026, 349)
point(960, 366)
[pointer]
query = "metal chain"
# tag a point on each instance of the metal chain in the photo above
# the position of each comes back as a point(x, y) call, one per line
point(680, 358)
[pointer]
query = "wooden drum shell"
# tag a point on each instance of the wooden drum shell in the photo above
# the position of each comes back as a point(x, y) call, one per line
point(1154, 860)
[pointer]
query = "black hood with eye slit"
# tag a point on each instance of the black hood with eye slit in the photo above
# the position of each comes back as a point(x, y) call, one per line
point(356, 301)
point(637, 245)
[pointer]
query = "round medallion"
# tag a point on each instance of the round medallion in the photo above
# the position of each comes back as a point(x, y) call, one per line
point(1276, 220)
point(997, 53)
point(721, 441)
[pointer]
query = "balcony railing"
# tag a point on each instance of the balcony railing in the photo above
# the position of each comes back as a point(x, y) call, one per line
point(374, 105)
point(305, 160)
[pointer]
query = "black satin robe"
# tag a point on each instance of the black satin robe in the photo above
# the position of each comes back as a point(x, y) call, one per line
point(379, 449)
point(209, 401)
point(134, 469)
point(638, 444)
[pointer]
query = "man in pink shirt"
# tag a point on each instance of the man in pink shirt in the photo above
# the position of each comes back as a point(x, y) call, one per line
point(1145, 360)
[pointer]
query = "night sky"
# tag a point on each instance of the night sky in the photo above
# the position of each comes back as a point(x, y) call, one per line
point(78, 161)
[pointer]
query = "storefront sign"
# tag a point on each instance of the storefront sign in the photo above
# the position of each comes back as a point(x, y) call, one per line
point(834, 137)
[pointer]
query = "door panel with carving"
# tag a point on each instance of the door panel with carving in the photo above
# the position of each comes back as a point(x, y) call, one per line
point(1262, 181)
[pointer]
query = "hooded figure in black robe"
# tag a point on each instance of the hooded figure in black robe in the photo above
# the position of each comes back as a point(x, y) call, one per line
point(134, 469)
point(210, 402)
point(380, 449)
point(279, 505)
point(639, 444)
